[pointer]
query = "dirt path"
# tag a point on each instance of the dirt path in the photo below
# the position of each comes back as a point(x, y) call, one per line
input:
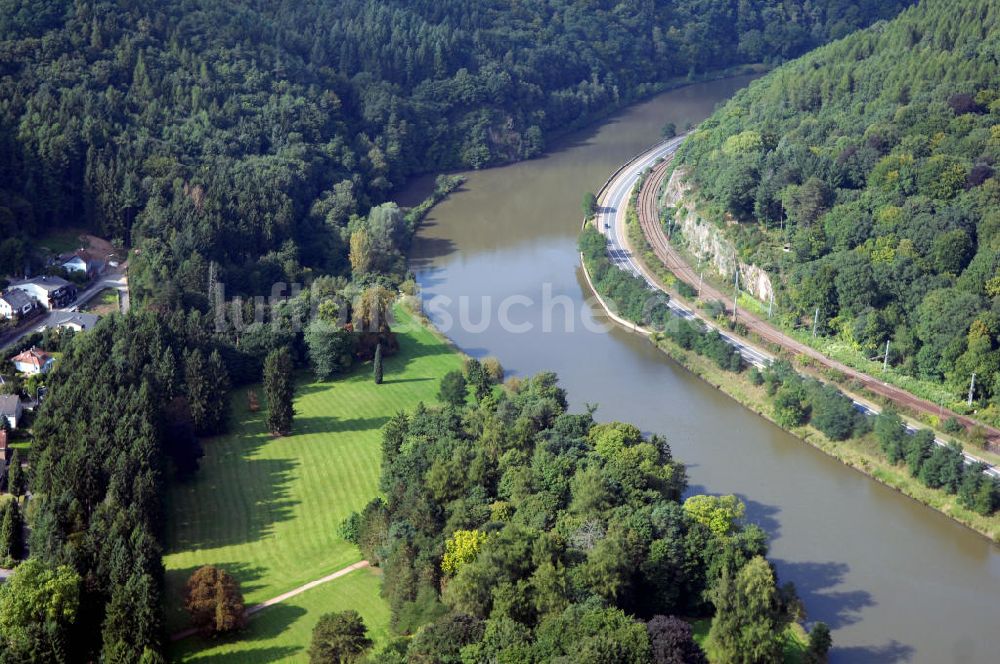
point(650, 221)
point(361, 564)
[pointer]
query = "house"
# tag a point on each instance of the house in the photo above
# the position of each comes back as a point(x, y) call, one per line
point(82, 261)
point(72, 320)
point(10, 407)
point(33, 361)
point(15, 304)
point(51, 292)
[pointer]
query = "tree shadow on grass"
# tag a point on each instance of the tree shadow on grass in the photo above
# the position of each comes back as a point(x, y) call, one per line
point(268, 624)
point(245, 574)
point(272, 621)
point(258, 655)
point(328, 424)
point(235, 507)
point(391, 381)
point(176, 617)
point(814, 583)
point(413, 348)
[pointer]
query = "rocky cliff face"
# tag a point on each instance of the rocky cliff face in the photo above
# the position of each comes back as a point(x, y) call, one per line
point(707, 241)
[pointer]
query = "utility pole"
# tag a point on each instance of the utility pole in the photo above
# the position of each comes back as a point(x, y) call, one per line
point(972, 387)
point(736, 294)
point(815, 321)
point(770, 304)
point(701, 280)
point(885, 362)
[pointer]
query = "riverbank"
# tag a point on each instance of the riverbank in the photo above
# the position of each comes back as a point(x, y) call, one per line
point(852, 546)
point(701, 242)
point(860, 454)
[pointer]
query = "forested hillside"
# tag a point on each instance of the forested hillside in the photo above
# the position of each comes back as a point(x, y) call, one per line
point(863, 176)
point(249, 132)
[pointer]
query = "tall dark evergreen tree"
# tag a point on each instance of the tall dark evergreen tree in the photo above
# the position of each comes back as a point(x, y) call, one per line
point(207, 383)
point(819, 644)
point(11, 532)
point(377, 365)
point(98, 477)
point(17, 482)
point(218, 376)
point(280, 391)
point(199, 390)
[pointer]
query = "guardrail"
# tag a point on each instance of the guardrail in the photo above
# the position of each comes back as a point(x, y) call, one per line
point(631, 160)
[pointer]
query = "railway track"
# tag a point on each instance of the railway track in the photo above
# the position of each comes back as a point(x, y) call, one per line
point(649, 221)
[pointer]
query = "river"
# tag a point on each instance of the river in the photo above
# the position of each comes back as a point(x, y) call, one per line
point(895, 580)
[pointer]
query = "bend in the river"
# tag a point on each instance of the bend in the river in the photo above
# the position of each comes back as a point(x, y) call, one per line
point(895, 580)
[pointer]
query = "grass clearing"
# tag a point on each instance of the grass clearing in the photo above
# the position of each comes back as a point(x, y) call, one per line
point(268, 509)
point(282, 632)
point(61, 241)
point(104, 303)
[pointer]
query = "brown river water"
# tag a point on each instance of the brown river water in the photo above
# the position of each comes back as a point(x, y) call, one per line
point(500, 275)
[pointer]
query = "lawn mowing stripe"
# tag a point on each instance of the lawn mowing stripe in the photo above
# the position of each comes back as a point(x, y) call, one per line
point(268, 509)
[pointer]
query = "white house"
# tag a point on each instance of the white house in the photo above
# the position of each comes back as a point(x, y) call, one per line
point(33, 361)
point(51, 292)
point(16, 304)
point(82, 261)
point(10, 407)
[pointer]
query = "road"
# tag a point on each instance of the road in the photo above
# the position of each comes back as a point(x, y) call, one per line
point(612, 218)
point(115, 280)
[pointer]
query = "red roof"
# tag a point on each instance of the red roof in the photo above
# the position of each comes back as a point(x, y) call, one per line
point(35, 357)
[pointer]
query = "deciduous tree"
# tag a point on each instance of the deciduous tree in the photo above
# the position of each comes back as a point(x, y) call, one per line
point(672, 641)
point(454, 389)
point(213, 599)
point(339, 638)
point(745, 627)
point(38, 604)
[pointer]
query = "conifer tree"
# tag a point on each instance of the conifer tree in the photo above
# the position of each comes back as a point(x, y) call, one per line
point(377, 365)
point(11, 528)
point(280, 392)
point(198, 390)
point(17, 483)
point(218, 405)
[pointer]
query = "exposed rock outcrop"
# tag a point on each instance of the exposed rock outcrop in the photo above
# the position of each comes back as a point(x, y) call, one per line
point(708, 242)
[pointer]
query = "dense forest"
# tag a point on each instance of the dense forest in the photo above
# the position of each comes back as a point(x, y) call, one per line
point(125, 405)
point(515, 531)
point(248, 134)
point(863, 177)
point(232, 145)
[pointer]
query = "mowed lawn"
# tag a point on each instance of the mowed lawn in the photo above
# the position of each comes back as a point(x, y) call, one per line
point(282, 632)
point(268, 509)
